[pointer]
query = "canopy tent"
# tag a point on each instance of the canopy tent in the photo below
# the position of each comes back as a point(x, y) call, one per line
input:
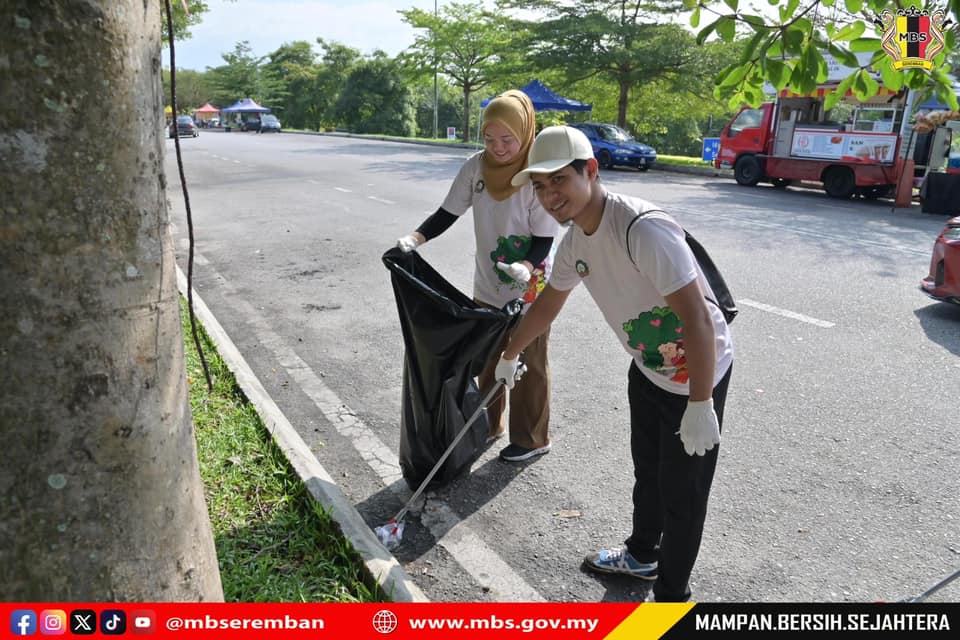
point(247, 105)
point(207, 108)
point(544, 99)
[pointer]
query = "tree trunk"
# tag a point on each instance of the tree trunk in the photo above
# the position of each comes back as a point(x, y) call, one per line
point(622, 104)
point(465, 134)
point(100, 493)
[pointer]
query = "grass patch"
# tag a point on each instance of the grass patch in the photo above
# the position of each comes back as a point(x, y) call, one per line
point(684, 161)
point(274, 542)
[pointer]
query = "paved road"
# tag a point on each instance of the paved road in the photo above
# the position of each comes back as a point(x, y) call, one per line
point(837, 478)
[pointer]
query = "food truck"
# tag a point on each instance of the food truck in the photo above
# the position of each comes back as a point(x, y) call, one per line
point(868, 148)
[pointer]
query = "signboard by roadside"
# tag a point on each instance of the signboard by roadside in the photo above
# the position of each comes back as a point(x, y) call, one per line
point(451, 133)
point(711, 147)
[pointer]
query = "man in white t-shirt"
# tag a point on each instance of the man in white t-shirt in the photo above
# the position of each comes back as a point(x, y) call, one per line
point(647, 283)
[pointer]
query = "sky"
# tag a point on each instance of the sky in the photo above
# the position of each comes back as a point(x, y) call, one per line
point(267, 24)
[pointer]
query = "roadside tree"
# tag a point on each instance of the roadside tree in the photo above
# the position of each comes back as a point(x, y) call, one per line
point(100, 492)
point(627, 43)
point(375, 99)
point(464, 43)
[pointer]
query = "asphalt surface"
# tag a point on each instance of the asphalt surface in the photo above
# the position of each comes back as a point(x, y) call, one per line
point(837, 475)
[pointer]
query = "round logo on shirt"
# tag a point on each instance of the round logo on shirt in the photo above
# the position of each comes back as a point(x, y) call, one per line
point(477, 188)
point(582, 269)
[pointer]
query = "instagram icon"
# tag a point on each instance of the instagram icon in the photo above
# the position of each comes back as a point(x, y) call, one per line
point(53, 622)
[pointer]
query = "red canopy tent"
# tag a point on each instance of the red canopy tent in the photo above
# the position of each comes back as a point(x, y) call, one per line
point(205, 112)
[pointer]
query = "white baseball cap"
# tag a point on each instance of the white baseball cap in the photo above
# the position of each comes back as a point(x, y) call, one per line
point(552, 150)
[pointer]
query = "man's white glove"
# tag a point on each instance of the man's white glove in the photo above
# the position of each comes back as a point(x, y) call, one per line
point(509, 371)
point(516, 270)
point(408, 243)
point(699, 427)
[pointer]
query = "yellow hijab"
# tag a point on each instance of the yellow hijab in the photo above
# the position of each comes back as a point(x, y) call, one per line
point(513, 110)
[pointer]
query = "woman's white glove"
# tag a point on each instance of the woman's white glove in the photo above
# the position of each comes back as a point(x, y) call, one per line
point(408, 243)
point(516, 270)
point(509, 371)
point(699, 427)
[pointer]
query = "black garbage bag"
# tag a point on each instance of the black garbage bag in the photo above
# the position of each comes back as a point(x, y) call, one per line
point(447, 337)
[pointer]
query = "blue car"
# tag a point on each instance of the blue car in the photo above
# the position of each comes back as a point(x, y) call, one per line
point(612, 146)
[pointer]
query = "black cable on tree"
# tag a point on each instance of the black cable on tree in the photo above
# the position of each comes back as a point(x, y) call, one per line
point(186, 195)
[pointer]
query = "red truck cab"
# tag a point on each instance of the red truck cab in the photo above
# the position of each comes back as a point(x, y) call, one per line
point(748, 134)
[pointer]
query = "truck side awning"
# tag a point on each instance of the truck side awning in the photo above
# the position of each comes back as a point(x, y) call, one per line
point(823, 91)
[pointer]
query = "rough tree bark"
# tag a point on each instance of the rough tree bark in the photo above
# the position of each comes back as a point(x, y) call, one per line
point(100, 493)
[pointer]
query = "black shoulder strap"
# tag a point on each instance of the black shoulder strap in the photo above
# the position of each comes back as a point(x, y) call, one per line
point(724, 299)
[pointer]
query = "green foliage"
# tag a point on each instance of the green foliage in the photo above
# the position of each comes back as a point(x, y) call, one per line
point(789, 49)
point(193, 89)
point(294, 66)
point(375, 99)
point(245, 76)
point(450, 107)
point(181, 21)
point(626, 43)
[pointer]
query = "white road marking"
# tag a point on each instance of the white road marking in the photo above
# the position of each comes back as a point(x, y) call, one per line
point(383, 200)
point(453, 534)
point(786, 313)
point(341, 189)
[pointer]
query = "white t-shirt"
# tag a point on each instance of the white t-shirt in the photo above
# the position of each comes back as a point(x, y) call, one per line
point(503, 231)
point(630, 293)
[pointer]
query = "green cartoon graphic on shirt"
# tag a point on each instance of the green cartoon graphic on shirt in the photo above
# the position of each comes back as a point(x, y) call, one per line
point(512, 249)
point(658, 335)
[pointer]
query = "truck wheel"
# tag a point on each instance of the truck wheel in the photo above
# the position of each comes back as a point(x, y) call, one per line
point(747, 171)
point(605, 160)
point(839, 182)
point(780, 183)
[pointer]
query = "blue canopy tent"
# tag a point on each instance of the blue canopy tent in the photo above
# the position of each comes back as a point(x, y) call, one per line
point(544, 99)
point(241, 107)
point(247, 105)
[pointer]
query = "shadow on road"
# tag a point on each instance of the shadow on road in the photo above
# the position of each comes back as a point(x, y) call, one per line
point(941, 322)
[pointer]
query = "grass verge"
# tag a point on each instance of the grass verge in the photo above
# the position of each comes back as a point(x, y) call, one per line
point(274, 542)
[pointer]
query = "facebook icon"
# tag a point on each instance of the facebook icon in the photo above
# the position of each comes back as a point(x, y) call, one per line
point(23, 622)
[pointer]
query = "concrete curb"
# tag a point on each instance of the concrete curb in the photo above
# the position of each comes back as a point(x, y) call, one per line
point(379, 563)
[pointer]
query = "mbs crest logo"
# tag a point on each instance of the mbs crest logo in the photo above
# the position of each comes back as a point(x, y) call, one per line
point(912, 37)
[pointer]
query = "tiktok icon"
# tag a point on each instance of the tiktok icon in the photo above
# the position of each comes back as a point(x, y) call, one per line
point(113, 622)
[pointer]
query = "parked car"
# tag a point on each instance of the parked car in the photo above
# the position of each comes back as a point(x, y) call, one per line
point(943, 281)
point(250, 123)
point(185, 126)
point(269, 123)
point(612, 146)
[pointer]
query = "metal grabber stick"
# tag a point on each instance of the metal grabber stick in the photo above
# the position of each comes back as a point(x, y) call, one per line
point(391, 533)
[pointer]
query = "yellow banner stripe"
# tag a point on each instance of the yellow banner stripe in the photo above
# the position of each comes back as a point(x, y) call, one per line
point(650, 621)
point(902, 28)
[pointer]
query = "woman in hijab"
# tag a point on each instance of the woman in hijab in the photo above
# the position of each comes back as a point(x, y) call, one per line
point(514, 252)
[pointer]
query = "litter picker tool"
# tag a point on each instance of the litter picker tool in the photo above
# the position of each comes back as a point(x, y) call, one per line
point(391, 534)
point(940, 585)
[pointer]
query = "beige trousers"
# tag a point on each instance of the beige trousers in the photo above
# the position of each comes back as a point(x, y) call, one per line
point(529, 398)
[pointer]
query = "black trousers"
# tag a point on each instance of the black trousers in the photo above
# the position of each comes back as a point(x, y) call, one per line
point(671, 488)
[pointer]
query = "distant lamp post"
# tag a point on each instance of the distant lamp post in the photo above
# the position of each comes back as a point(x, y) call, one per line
point(436, 86)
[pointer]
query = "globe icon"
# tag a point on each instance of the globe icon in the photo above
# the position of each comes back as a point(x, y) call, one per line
point(385, 621)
